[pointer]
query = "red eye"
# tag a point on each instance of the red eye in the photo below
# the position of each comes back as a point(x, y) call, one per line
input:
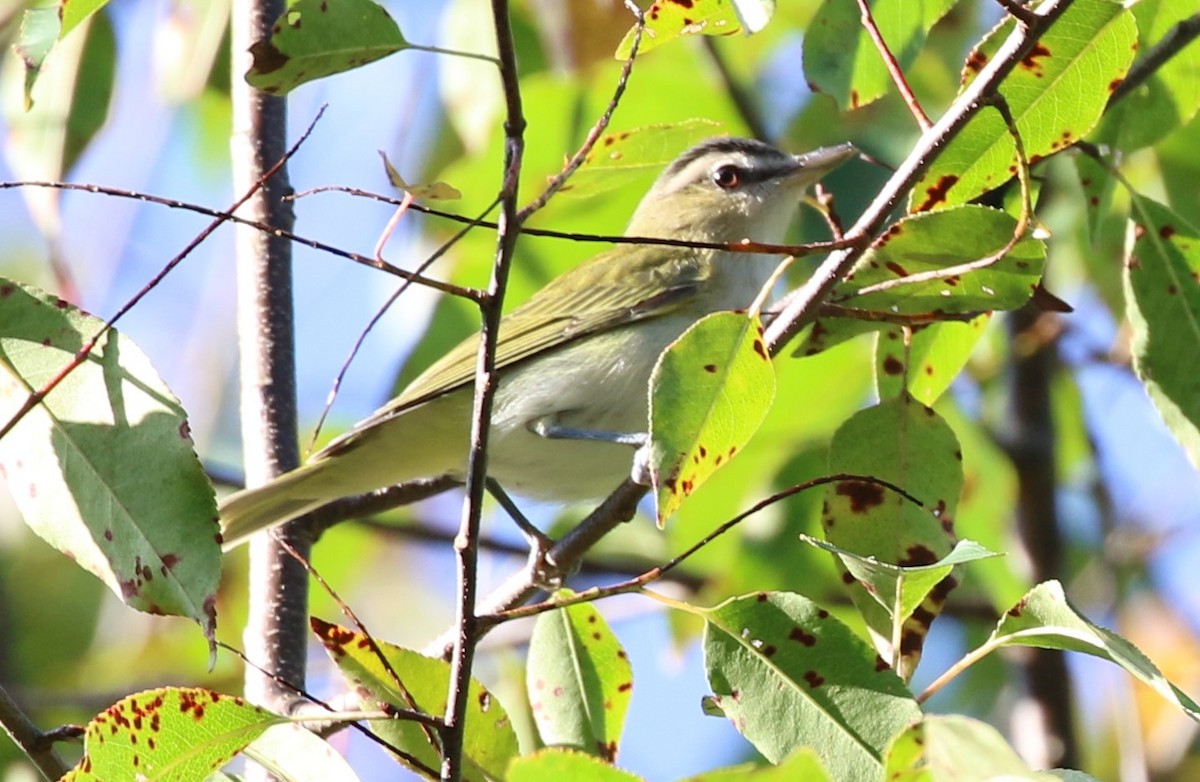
point(727, 177)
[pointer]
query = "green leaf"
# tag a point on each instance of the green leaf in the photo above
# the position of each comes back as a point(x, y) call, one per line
point(168, 734)
point(840, 58)
point(907, 444)
point(104, 469)
point(1044, 618)
point(1162, 292)
point(789, 675)
point(934, 357)
point(709, 392)
point(1170, 97)
point(667, 20)
point(650, 148)
point(956, 749)
point(910, 269)
point(557, 765)
point(1056, 95)
point(489, 742)
point(803, 764)
point(932, 264)
point(579, 680)
point(76, 11)
point(316, 38)
point(901, 589)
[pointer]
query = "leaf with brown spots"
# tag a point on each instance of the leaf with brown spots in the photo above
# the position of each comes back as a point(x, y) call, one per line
point(1170, 97)
point(489, 743)
point(1162, 301)
point(936, 354)
point(1047, 620)
point(667, 20)
point(909, 445)
point(700, 417)
point(168, 734)
point(789, 675)
point(900, 589)
point(578, 680)
point(1056, 97)
point(102, 469)
point(840, 59)
point(316, 38)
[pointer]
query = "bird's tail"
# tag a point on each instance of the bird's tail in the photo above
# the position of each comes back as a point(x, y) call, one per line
point(283, 499)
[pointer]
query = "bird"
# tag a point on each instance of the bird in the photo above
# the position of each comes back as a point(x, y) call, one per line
point(575, 360)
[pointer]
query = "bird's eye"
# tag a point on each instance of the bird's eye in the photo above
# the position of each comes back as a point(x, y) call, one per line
point(727, 177)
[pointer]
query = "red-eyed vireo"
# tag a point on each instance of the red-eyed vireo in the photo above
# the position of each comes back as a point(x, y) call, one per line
point(575, 360)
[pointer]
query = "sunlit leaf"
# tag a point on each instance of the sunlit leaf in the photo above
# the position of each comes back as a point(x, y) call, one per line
point(709, 392)
point(434, 191)
point(667, 20)
point(104, 468)
point(293, 753)
point(168, 734)
point(934, 357)
point(803, 764)
point(579, 681)
point(489, 742)
point(789, 675)
point(1170, 97)
point(1056, 95)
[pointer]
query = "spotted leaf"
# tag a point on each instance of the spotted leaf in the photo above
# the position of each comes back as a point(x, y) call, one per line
point(316, 38)
point(1056, 95)
point(489, 742)
point(617, 156)
point(579, 681)
point(927, 366)
point(790, 675)
point(103, 468)
point(667, 20)
point(709, 392)
point(907, 444)
point(168, 734)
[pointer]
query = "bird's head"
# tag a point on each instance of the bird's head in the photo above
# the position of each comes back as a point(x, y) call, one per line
point(726, 189)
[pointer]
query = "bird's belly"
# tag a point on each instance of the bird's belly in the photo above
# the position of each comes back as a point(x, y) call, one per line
point(597, 385)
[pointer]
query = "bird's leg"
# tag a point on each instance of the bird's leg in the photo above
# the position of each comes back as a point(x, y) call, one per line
point(548, 427)
point(546, 574)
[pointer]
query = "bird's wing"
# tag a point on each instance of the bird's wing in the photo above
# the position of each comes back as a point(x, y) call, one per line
point(617, 287)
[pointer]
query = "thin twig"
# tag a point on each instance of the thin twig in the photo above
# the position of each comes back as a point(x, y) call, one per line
point(466, 545)
point(1171, 44)
point(393, 713)
point(803, 306)
point(29, 739)
point(654, 574)
point(893, 67)
point(558, 180)
point(82, 354)
point(358, 343)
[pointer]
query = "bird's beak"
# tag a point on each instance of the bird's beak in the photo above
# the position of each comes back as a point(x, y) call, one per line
point(815, 164)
